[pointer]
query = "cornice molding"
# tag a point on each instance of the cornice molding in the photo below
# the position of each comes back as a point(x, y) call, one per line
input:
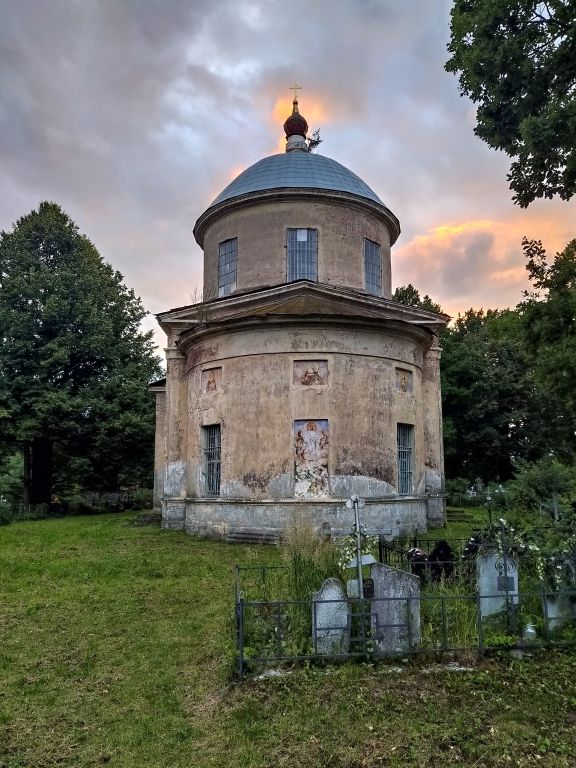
point(290, 194)
point(302, 303)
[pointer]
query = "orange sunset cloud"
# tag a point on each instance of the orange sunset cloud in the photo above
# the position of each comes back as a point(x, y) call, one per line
point(314, 110)
point(476, 263)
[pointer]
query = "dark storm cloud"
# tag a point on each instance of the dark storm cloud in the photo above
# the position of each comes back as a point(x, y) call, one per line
point(82, 107)
point(133, 114)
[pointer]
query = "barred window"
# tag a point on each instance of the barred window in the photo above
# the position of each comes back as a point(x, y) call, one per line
point(302, 248)
point(212, 457)
point(227, 261)
point(405, 438)
point(373, 267)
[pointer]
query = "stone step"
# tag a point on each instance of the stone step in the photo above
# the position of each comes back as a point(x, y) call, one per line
point(252, 536)
point(148, 518)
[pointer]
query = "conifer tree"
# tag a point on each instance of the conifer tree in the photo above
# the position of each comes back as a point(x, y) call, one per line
point(74, 363)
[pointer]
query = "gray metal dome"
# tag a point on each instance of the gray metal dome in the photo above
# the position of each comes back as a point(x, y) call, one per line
point(296, 170)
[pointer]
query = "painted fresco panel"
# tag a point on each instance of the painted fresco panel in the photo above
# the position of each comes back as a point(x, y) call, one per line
point(310, 372)
point(404, 380)
point(311, 441)
point(211, 380)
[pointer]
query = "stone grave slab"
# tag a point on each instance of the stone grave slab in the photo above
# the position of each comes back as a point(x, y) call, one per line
point(330, 619)
point(560, 610)
point(395, 610)
point(353, 588)
point(497, 579)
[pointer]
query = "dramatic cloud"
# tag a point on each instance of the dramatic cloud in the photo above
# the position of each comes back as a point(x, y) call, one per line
point(476, 263)
point(134, 114)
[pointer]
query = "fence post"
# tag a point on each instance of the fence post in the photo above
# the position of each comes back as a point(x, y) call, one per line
point(444, 626)
point(279, 628)
point(409, 624)
point(546, 618)
point(240, 636)
point(479, 626)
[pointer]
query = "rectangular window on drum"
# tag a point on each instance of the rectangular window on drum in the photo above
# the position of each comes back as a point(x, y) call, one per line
point(373, 267)
point(227, 262)
point(405, 439)
point(212, 447)
point(302, 249)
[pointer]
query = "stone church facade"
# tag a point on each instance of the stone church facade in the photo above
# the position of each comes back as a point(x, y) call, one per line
point(297, 381)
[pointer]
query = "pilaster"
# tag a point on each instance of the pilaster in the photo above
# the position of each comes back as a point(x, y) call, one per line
point(433, 441)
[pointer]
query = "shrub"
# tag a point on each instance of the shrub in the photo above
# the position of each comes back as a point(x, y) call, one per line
point(6, 514)
point(538, 485)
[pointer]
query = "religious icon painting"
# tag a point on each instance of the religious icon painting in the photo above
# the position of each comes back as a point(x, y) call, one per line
point(211, 380)
point(404, 380)
point(311, 442)
point(310, 372)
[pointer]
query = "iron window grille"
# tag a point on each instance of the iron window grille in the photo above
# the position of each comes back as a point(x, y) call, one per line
point(302, 247)
point(405, 438)
point(212, 459)
point(373, 267)
point(227, 266)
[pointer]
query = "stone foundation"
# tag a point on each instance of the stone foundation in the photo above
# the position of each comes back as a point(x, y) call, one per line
point(218, 518)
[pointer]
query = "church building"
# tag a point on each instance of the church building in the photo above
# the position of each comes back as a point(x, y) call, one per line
point(297, 381)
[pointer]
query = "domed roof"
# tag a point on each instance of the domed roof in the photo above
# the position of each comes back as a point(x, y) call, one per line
point(296, 170)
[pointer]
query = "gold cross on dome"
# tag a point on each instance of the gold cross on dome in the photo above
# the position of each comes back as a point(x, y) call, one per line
point(295, 88)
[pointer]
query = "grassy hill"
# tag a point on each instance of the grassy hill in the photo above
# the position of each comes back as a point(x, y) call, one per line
point(116, 649)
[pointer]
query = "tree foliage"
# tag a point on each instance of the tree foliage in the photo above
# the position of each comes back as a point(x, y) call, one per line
point(508, 393)
point(74, 364)
point(542, 481)
point(493, 414)
point(549, 320)
point(410, 297)
point(11, 477)
point(516, 59)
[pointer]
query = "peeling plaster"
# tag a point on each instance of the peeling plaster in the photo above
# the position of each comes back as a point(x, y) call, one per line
point(175, 479)
point(343, 486)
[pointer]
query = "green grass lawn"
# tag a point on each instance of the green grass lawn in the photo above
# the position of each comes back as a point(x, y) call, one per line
point(116, 649)
point(461, 522)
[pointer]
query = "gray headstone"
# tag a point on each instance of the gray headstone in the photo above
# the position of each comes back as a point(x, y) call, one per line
point(353, 588)
point(330, 619)
point(559, 610)
point(497, 581)
point(395, 610)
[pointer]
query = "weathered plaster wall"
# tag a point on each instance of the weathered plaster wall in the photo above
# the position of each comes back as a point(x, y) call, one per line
point(216, 518)
point(257, 402)
point(261, 232)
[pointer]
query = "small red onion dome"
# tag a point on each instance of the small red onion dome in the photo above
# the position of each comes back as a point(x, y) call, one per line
point(295, 125)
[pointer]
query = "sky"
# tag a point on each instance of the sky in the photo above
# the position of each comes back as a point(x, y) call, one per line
point(134, 114)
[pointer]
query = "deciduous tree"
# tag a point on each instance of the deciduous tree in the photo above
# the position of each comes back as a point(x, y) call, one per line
point(549, 320)
point(516, 59)
point(410, 296)
point(493, 412)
